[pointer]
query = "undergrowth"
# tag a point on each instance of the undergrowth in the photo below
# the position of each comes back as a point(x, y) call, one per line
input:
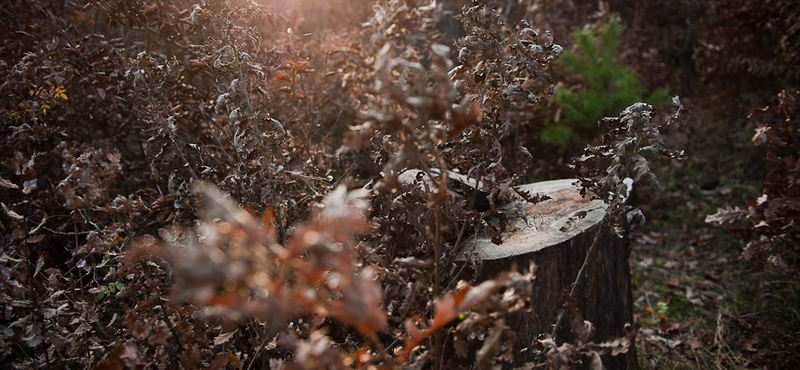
point(606, 85)
point(218, 184)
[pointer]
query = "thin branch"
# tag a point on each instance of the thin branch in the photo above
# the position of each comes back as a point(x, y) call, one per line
point(255, 356)
point(381, 352)
point(437, 265)
point(65, 233)
point(437, 288)
point(172, 328)
point(260, 139)
point(168, 39)
point(578, 279)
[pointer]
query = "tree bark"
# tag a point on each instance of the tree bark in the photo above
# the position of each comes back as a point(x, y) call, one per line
point(555, 235)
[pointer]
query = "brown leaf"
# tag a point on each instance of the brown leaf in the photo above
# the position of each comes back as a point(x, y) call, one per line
point(666, 326)
point(191, 357)
point(131, 356)
point(11, 214)
point(756, 112)
point(360, 305)
point(726, 215)
point(112, 361)
point(288, 340)
point(466, 115)
point(159, 336)
point(234, 361)
point(223, 338)
point(39, 263)
point(695, 342)
point(35, 239)
point(8, 184)
point(219, 362)
point(276, 364)
point(743, 324)
point(674, 282)
point(752, 345)
point(445, 311)
point(414, 332)
point(484, 358)
point(140, 329)
point(761, 135)
point(478, 294)
point(711, 274)
point(583, 328)
point(461, 346)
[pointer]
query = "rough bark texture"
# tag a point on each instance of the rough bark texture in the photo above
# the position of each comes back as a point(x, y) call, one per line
point(604, 296)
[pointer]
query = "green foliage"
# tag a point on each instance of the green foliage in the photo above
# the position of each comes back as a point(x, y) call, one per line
point(608, 86)
point(559, 135)
point(108, 290)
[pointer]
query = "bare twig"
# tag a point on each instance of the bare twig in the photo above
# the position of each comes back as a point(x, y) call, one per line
point(172, 328)
point(260, 139)
point(381, 352)
point(581, 272)
point(255, 355)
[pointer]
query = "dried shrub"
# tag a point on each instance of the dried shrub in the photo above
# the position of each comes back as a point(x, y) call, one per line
point(738, 38)
point(123, 117)
point(421, 111)
point(583, 350)
point(621, 159)
point(622, 162)
point(233, 267)
point(772, 218)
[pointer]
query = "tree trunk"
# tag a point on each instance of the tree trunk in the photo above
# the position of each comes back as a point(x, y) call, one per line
point(555, 235)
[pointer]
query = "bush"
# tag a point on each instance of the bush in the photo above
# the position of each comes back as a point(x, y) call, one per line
point(178, 196)
point(773, 217)
point(606, 86)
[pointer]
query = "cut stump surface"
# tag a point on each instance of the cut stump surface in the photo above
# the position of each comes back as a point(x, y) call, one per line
point(555, 235)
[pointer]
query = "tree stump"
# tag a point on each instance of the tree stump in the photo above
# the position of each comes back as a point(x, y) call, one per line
point(555, 235)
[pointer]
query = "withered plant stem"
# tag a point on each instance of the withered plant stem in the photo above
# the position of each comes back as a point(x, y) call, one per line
point(260, 139)
point(258, 350)
point(437, 290)
point(172, 328)
point(381, 351)
point(581, 272)
point(173, 137)
point(437, 268)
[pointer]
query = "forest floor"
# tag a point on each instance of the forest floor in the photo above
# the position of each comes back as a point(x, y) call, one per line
point(697, 301)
